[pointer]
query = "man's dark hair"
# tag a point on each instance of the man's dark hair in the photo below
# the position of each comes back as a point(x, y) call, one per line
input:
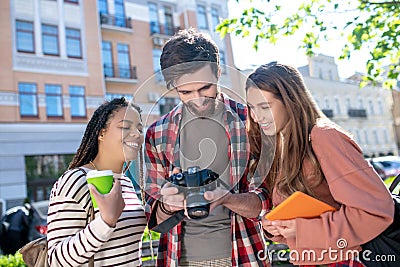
point(186, 52)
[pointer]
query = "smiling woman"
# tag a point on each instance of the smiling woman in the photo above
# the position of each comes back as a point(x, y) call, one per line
point(113, 137)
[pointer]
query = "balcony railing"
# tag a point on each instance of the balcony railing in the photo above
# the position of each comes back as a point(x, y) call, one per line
point(357, 113)
point(328, 112)
point(120, 71)
point(116, 21)
point(157, 28)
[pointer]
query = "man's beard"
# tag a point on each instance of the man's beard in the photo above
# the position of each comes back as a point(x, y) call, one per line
point(211, 104)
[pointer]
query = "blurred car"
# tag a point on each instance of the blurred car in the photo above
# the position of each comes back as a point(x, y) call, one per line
point(38, 222)
point(39, 219)
point(387, 166)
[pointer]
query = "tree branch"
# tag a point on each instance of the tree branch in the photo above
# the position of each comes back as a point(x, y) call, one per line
point(381, 3)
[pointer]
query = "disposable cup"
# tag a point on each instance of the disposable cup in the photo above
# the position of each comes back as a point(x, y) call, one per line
point(102, 180)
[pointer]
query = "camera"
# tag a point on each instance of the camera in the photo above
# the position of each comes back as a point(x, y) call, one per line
point(196, 182)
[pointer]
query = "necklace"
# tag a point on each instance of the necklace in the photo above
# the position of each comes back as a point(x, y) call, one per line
point(94, 166)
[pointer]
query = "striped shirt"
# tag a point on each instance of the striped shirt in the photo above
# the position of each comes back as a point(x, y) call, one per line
point(162, 155)
point(72, 242)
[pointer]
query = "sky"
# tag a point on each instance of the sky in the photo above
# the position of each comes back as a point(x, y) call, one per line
point(286, 50)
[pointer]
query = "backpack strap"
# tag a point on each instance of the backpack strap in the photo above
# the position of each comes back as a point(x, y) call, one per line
point(395, 182)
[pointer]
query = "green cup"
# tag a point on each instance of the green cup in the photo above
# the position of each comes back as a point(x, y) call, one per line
point(102, 180)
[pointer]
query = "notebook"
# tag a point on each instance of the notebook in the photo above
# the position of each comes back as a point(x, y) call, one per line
point(298, 205)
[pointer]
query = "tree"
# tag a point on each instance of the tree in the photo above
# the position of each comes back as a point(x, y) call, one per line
point(375, 25)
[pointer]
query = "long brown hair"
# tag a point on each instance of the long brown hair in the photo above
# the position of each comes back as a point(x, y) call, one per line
point(287, 85)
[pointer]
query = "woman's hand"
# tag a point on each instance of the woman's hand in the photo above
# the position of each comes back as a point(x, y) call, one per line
point(285, 228)
point(110, 205)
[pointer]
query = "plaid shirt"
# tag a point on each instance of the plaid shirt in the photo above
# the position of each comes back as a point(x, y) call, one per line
point(162, 155)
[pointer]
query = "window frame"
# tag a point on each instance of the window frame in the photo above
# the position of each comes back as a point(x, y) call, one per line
point(76, 2)
point(199, 13)
point(123, 50)
point(34, 95)
point(55, 96)
point(108, 65)
point(25, 31)
point(73, 38)
point(215, 11)
point(78, 96)
point(50, 35)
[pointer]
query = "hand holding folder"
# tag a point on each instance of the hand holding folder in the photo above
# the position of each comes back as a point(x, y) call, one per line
point(298, 205)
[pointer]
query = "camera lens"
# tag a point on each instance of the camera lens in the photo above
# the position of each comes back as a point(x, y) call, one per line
point(198, 212)
point(179, 176)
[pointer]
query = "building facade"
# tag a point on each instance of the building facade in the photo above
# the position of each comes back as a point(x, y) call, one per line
point(62, 58)
point(365, 112)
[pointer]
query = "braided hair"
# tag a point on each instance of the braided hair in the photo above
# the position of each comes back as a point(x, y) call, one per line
point(89, 146)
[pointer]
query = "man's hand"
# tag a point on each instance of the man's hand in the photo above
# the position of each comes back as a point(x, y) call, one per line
point(217, 197)
point(171, 199)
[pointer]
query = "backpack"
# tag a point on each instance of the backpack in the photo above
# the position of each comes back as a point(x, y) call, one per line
point(35, 252)
point(387, 244)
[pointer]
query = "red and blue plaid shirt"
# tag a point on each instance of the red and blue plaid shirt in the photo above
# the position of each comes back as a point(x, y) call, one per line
point(162, 155)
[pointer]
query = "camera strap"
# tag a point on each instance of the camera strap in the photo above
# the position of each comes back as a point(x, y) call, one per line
point(169, 223)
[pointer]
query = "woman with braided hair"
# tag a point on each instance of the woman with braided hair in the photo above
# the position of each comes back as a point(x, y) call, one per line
point(113, 138)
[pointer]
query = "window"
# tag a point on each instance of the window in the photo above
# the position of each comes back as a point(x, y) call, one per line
point(348, 103)
point(360, 103)
point(154, 23)
point(386, 136)
point(50, 40)
point(107, 58)
point(380, 107)
point(28, 105)
point(222, 61)
point(366, 137)
point(73, 37)
point(25, 40)
point(167, 104)
point(326, 103)
point(77, 100)
point(53, 100)
point(169, 21)
point(202, 17)
point(371, 107)
point(103, 6)
point(214, 17)
point(358, 136)
point(376, 137)
point(124, 64)
point(111, 96)
point(120, 13)
point(156, 65)
point(337, 106)
point(72, 1)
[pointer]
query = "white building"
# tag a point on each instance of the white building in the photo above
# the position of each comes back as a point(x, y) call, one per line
point(365, 112)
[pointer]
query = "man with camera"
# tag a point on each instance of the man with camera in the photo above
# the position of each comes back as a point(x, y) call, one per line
point(198, 193)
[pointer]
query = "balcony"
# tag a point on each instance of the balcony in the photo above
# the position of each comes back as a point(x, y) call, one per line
point(120, 73)
point(122, 22)
point(328, 112)
point(357, 113)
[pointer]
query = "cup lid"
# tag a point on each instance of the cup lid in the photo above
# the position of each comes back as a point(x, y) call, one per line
point(95, 173)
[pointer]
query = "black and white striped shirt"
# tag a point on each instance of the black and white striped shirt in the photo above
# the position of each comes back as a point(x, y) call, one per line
point(72, 242)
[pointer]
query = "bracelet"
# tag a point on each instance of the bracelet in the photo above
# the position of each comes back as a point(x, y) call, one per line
point(163, 209)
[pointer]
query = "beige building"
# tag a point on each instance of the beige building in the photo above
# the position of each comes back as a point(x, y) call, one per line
point(61, 58)
point(365, 112)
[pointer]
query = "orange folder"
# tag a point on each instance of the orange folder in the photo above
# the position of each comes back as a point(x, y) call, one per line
point(298, 205)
